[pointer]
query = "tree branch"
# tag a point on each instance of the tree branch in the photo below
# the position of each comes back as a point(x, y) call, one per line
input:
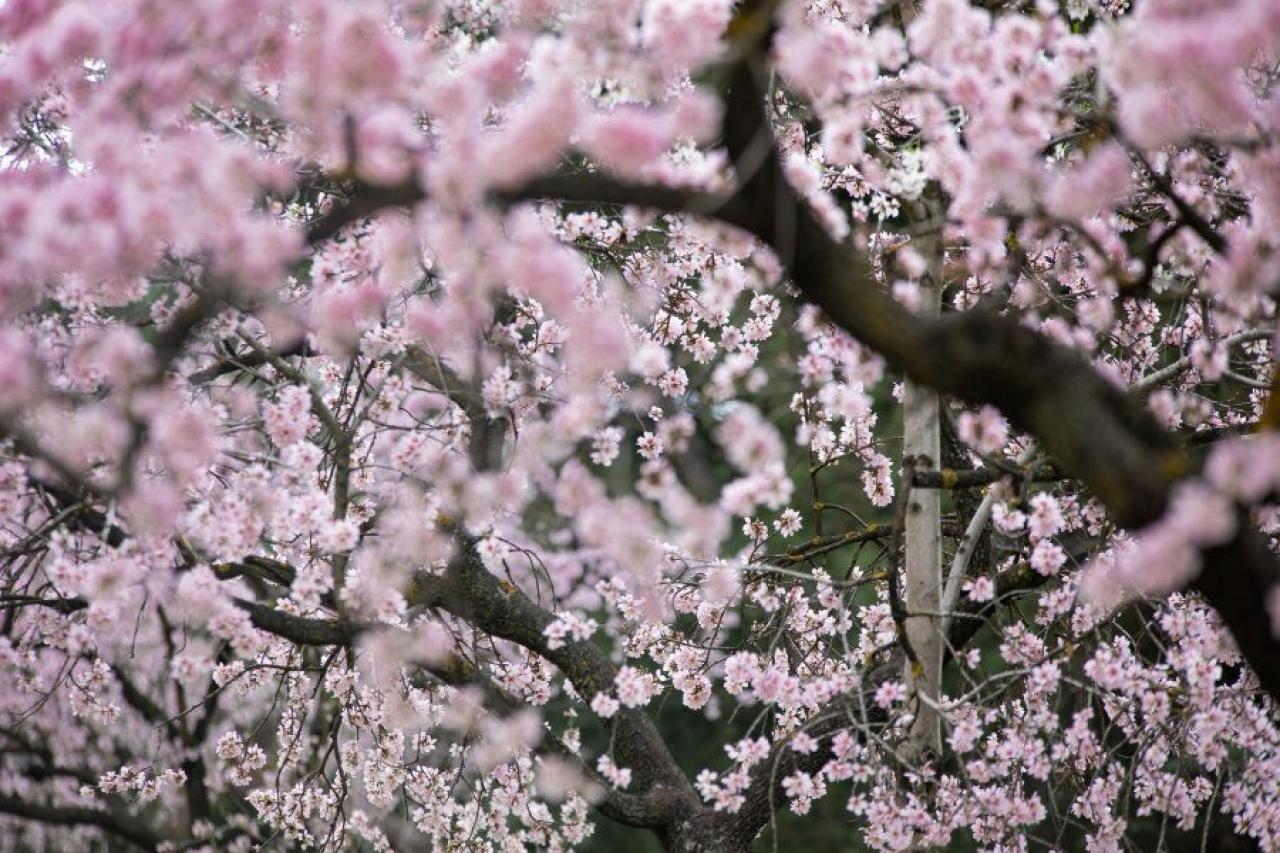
point(472, 593)
point(118, 825)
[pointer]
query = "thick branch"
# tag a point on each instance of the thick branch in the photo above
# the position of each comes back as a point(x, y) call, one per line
point(118, 825)
point(472, 593)
point(949, 478)
point(1093, 429)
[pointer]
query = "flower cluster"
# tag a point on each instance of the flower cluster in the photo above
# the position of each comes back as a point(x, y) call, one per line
point(411, 425)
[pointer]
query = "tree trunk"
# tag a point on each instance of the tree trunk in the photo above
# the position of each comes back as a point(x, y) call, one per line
point(922, 547)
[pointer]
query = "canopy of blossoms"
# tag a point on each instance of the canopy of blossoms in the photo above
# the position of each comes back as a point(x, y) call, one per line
point(414, 414)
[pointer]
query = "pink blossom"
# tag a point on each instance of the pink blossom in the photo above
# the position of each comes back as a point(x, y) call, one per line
point(416, 413)
point(1102, 180)
point(987, 432)
point(1047, 558)
point(980, 589)
point(889, 693)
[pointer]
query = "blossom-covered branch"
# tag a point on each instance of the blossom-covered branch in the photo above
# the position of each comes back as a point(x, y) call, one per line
point(524, 425)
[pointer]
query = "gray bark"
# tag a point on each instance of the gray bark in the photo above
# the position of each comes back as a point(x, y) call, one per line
point(922, 547)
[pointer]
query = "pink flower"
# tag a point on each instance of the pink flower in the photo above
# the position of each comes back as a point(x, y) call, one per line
point(1047, 558)
point(684, 33)
point(634, 688)
point(889, 693)
point(649, 446)
point(1101, 181)
point(604, 706)
point(629, 139)
point(987, 432)
point(286, 419)
point(788, 523)
point(1046, 517)
point(768, 684)
point(980, 589)
point(339, 536)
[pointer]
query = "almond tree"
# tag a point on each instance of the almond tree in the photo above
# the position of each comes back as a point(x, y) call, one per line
point(414, 413)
